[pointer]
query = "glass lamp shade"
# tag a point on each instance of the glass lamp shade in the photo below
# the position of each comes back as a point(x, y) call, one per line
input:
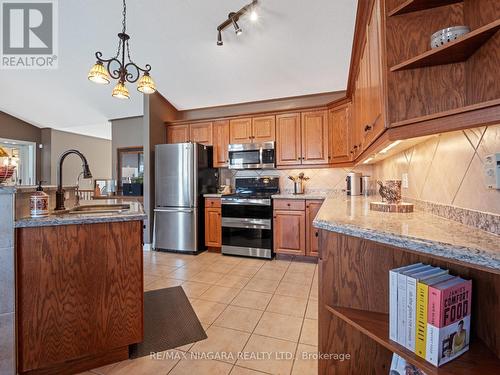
point(98, 74)
point(146, 84)
point(120, 91)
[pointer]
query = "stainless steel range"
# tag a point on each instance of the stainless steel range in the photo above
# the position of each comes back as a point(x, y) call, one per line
point(247, 218)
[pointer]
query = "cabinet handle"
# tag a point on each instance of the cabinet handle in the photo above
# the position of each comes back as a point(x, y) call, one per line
point(316, 234)
point(355, 147)
point(368, 128)
point(288, 204)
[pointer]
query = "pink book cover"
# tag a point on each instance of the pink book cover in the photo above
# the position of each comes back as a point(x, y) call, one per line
point(449, 302)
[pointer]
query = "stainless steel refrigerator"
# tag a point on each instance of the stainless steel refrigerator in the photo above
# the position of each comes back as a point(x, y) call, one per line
point(183, 173)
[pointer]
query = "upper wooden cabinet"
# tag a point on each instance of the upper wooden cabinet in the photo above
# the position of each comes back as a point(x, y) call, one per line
point(177, 133)
point(302, 138)
point(221, 142)
point(314, 137)
point(201, 133)
point(288, 139)
point(240, 130)
point(264, 129)
point(338, 132)
point(256, 129)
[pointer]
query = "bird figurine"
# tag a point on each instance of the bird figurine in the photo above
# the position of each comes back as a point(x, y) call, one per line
point(392, 192)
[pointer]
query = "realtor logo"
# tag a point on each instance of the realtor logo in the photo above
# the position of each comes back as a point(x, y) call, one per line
point(29, 34)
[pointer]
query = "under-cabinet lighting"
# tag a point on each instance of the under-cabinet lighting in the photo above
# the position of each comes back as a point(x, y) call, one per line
point(391, 146)
point(367, 160)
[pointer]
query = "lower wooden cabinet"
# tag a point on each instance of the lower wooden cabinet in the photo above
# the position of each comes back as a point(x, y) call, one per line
point(293, 230)
point(213, 223)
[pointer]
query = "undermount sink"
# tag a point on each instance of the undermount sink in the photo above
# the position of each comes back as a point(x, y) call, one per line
point(96, 209)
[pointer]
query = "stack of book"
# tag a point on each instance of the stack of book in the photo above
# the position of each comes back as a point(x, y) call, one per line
point(429, 312)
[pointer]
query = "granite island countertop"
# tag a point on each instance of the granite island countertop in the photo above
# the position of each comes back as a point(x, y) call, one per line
point(133, 213)
point(299, 196)
point(417, 231)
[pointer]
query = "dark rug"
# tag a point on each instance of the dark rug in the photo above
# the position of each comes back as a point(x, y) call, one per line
point(169, 322)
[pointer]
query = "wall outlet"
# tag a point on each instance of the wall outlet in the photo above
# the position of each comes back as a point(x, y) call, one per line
point(404, 181)
point(492, 171)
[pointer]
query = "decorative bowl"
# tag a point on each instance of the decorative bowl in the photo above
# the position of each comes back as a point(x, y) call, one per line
point(447, 35)
point(6, 172)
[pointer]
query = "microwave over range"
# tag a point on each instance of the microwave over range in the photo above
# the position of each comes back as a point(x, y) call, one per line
point(252, 156)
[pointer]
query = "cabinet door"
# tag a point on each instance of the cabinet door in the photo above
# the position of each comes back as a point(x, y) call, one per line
point(240, 130)
point(314, 137)
point(288, 145)
point(338, 131)
point(264, 129)
point(289, 232)
point(213, 227)
point(221, 141)
point(201, 133)
point(312, 234)
point(177, 133)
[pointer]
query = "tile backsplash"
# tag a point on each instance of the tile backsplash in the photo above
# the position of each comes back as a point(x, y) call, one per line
point(322, 180)
point(448, 169)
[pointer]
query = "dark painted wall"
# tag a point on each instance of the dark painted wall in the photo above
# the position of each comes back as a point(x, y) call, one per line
point(13, 128)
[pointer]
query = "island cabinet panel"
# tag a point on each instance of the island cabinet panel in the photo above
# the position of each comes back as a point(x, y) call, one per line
point(201, 133)
point(354, 307)
point(264, 129)
point(312, 234)
point(315, 137)
point(240, 130)
point(289, 232)
point(80, 295)
point(221, 142)
point(177, 133)
point(288, 139)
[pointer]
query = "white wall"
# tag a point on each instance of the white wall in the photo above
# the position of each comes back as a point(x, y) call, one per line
point(96, 150)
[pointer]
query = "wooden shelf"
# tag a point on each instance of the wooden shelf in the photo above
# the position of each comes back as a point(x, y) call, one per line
point(478, 360)
point(415, 5)
point(454, 52)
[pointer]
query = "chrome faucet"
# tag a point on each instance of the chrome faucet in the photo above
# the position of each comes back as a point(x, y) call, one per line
point(60, 190)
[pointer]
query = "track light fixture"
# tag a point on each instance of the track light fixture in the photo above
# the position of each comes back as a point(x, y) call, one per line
point(233, 18)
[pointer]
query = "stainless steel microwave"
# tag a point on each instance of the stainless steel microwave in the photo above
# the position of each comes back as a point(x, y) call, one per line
point(252, 156)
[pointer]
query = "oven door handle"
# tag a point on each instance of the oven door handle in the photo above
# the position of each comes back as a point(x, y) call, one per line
point(246, 223)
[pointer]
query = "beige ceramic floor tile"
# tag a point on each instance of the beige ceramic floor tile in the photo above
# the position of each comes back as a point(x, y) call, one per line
point(298, 278)
point(220, 294)
point(201, 367)
point(207, 311)
point(244, 371)
point(276, 264)
point(292, 290)
point(288, 305)
point(184, 273)
point(305, 362)
point(220, 267)
point(312, 309)
point(245, 271)
point(207, 277)
point(270, 274)
point(227, 343)
point(279, 326)
point(232, 281)
point(163, 283)
point(239, 318)
point(158, 270)
point(252, 299)
point(194, 289)
point(274, 364)
point(309, 333)
point(261, 285)
point(162, 364)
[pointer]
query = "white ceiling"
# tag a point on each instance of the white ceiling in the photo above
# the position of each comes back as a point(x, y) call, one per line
point(297, 47)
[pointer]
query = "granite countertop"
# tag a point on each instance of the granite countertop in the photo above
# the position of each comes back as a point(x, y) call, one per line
point(213, 195)
point(418, 231)
point(32, 188)
point(134, 212)
point(299, 196)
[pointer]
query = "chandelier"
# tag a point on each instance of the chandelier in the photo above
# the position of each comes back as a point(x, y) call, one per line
point(124, 71)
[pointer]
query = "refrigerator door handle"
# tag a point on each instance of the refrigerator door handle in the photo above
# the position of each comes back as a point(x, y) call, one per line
point(186, 210)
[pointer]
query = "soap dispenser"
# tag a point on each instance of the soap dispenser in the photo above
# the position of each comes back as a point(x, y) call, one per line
point(39, 202)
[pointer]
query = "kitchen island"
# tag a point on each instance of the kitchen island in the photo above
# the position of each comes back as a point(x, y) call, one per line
point(79, 288)
point(357, 249)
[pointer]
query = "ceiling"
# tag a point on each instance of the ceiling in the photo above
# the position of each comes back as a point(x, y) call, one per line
point(296, 48)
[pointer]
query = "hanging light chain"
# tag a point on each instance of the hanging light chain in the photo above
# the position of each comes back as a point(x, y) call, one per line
point(124, 22)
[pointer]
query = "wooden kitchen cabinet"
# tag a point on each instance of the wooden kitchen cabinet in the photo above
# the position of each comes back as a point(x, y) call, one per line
point(264, 129)
point(240, 130)
point(289, 232)
point(201, 133)
point(312, 234)
point(213, 223)
point(288, 139)
point(177, 133)
point(221, 143)
point(314, 131)
point(338, 133)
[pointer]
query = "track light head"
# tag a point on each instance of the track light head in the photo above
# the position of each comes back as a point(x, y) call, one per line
point(219, 38)
point(237, 28)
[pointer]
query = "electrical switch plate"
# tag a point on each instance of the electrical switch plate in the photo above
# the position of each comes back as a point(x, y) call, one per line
point(404, 181)
point(492, 171)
